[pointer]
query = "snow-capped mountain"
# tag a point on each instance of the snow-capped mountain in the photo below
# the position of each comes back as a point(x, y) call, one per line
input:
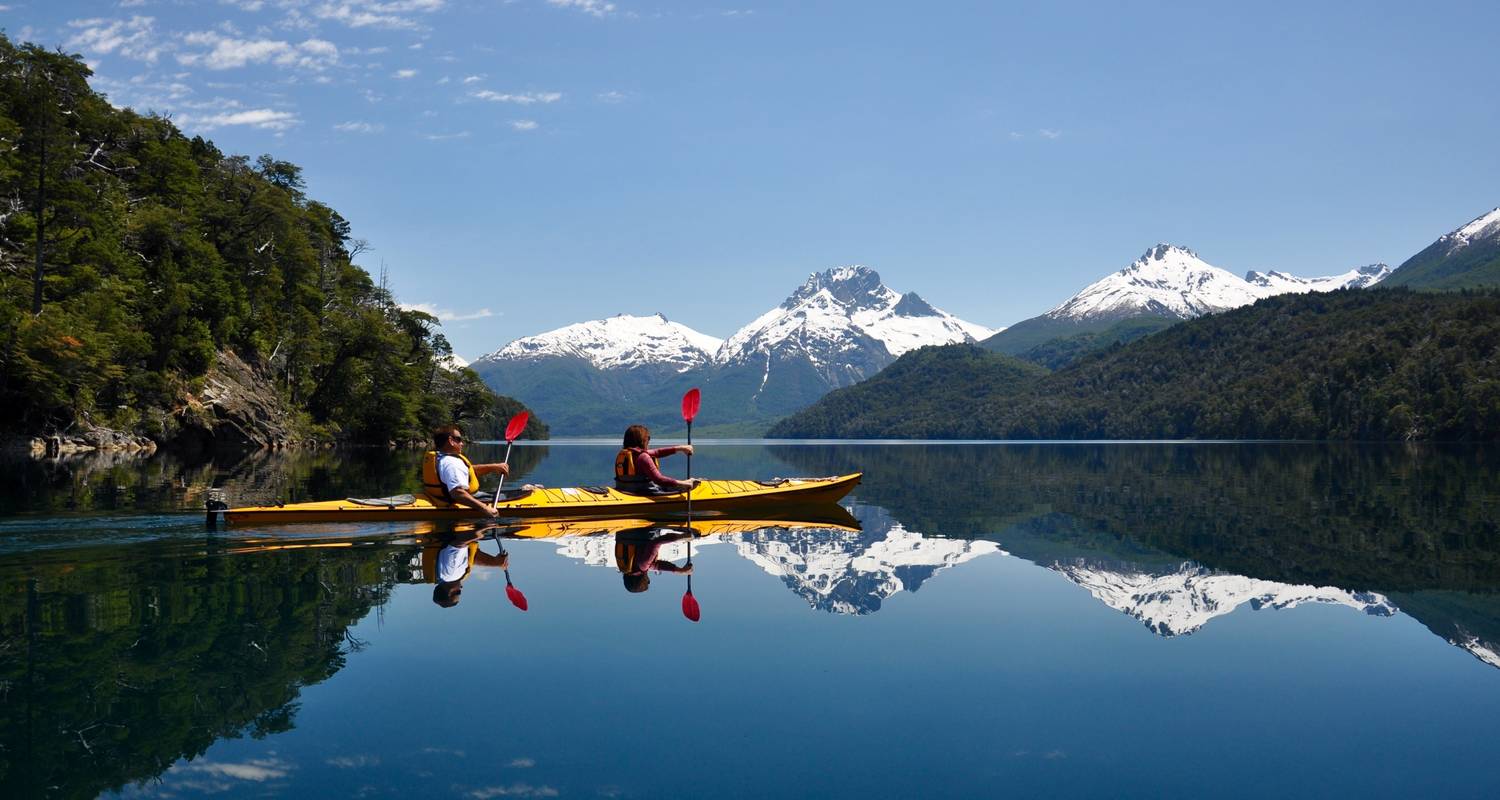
point(840, 327)
point(619, 342)
point(853, 573)
point(1466, 258)
point(1482, 228)
point(1172, 281)
point(835, 306)
point(1182, 601)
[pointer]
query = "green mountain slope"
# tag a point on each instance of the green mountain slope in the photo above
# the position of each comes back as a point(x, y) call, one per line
point(1382, 364)
point(930, 392)
point(1456, 261)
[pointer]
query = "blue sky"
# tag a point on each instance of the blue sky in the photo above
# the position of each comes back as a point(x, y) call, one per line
point(521, 165)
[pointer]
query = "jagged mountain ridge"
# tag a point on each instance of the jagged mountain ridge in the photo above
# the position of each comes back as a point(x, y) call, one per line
point(1172, 281)
point(1168, 283)
point(839, 327)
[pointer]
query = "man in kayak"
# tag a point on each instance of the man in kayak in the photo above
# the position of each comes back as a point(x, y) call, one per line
point(636, 552)
point(449, 476)
point(636, 470)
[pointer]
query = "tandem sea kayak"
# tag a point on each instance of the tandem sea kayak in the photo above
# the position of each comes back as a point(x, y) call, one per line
point(570, 502)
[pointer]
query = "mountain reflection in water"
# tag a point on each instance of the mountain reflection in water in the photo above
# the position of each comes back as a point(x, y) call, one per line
point(119, 661)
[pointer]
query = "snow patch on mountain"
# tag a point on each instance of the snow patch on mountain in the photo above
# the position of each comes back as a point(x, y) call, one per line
point(835, 309)
point(1485, 226)
point(619, 342)
point(452, 362)
point(1281, 283)
point(1172, 281)
point(1181, 602)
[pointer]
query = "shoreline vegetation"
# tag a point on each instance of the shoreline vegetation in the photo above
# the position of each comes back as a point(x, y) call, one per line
point(157, 292)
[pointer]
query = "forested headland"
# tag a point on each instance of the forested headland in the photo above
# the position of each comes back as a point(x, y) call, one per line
point(146, 278)
point(1374, 364)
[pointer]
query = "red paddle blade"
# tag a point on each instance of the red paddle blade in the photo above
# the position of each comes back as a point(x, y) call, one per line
point(517, 424)
point(690, 607)
point(690, 404)
point(519, 600)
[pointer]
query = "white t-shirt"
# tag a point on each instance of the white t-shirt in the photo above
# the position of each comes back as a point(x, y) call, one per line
point(453, 472)
point(453, 563)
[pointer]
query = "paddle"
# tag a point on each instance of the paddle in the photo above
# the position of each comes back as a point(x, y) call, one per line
point(512, 432)
point(516, 598)
point(690, 410)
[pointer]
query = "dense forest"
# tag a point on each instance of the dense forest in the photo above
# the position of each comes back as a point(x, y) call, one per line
point(133, 258)
point(1383, 364)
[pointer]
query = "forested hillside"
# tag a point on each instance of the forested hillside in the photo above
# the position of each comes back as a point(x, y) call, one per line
point(1380, 364)
point(132, 256)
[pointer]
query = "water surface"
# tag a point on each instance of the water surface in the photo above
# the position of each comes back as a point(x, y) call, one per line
point(1064, 619)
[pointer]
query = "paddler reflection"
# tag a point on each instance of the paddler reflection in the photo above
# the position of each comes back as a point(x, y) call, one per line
point(451, 559)
point(638, 553)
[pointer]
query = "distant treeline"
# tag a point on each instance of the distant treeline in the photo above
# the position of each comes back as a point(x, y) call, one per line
point(1382, 364)
point(130, 255)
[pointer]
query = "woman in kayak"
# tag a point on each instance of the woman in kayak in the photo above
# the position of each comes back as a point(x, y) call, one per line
point(636, 470)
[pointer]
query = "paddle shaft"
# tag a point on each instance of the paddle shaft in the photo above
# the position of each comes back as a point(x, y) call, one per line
point(506, 461)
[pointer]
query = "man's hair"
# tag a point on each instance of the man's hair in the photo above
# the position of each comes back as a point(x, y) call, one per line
point(637, 582)
point(444, 595)
point(441, 433)
point(637, 436)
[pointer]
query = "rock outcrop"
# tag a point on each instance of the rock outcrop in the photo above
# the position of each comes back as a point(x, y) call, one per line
point(238, 407)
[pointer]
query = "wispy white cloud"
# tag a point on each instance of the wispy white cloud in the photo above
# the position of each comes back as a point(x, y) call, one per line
point(258, 770)
point(447, 315)
point(132, 38)
point(443, 137)
point(1048, 133)
point(524, 98)
point(403, 74)
point(612, 97)
point(229, 53)
point(263, 118)
point(392, 14)
point(522, 763)
point(513, 790)
point(355, 126)
point(594, 8)
point(473, 78)
point(245, 5)
point(123, 4)
point(353, 762)
point(524, 124)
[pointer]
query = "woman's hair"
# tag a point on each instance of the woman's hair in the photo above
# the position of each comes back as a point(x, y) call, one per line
point(446, 593)
point(636, 582)
point(637, 436)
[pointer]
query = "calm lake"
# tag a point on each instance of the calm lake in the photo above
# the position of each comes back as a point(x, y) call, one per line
point(1081, 620)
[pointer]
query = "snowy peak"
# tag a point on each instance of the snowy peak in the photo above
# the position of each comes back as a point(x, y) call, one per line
point(1485, 226)
point(1172, 281)
point(854, 286)
point(621, 341)
point(1282, 283)
point(1168, 281)
point(833, 317)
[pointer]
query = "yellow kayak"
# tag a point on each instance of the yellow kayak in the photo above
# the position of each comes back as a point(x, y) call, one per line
point(571, 502)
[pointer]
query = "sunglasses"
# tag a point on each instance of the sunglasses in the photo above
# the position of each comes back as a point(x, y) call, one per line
point(458, 439)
